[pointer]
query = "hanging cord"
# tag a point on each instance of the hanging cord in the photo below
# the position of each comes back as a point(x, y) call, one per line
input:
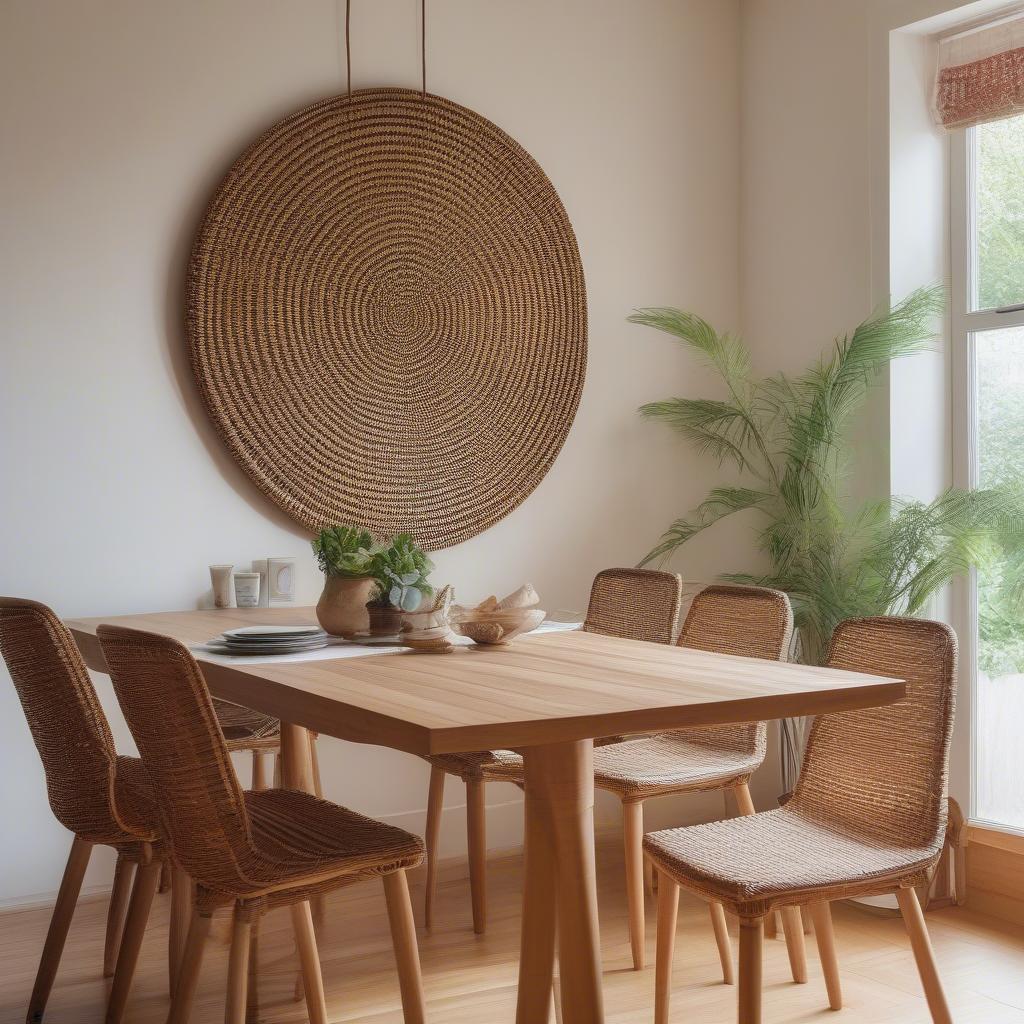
point(423, 46)
point(348, 47)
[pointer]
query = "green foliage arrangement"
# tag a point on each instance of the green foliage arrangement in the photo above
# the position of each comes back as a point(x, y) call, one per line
point(345, 551)
point(401, 570)
point(785, 437)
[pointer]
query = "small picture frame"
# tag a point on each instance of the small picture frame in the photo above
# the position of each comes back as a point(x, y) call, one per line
point(280, 581)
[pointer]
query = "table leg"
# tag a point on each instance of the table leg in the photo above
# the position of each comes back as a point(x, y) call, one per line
point(537, 942)
point(296, 768)
point(560, 810)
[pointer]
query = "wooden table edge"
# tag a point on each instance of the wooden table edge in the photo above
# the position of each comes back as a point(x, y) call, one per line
point(313, 711)
point(664, 719)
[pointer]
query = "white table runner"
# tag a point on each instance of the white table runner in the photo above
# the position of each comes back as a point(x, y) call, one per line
point(339, 648)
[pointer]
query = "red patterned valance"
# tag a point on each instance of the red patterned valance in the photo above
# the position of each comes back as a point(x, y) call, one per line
point(981, 75)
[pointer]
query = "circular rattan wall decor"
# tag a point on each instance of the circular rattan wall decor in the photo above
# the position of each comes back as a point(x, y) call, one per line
point(387, 316)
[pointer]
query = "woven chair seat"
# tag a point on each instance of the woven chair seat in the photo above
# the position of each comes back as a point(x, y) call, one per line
point(244, 728)
point(752, 864)
point(501, 765)
point(300, 846)
point(670, 762)
point(493, 765)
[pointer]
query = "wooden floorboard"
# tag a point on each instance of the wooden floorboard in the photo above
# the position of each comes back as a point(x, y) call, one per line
point(471, 980)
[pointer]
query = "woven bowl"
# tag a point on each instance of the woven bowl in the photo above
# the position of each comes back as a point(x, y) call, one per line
point(498, 628)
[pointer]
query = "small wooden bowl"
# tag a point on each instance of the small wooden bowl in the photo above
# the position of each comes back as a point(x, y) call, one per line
point(495, 629)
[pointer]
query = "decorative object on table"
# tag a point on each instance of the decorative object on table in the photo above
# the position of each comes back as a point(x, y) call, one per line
point(345, 555)
point(401, 569)
point(280, 581)
point(785, 435)
point(444, 289)
point(247, 589)
point(259, 640)
point(494, 622)
point(428, 630)
point(223, 589)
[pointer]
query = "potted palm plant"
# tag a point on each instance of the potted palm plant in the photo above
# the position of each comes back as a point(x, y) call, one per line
point(345, 555)
point(400, 570)
point(784, 436)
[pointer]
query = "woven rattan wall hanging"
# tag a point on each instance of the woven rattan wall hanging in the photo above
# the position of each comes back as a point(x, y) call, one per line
point(387, 316)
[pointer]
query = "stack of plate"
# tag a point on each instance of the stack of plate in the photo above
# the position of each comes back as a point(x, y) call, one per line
point(251, 640)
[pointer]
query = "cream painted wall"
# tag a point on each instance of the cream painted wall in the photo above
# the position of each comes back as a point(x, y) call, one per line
point(805, 256)
point(118, 118)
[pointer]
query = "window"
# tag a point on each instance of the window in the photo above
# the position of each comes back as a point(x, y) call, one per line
point(988, 336)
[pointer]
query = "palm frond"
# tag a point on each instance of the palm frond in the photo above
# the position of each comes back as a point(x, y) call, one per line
point(723, 352)
point(718, 429)
point(720, 503)
point(816, 406)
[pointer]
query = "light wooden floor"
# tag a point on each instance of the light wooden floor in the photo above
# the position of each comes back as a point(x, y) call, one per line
point(471, 980)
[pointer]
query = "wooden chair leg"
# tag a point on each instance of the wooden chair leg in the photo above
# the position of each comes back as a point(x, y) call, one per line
point(648, 876)
point(188, 968)
point(60, 921)
point(668, 913)
point(180, 915)
point(793, 926)
point(277, 769)
point(771, 925)
point(252, 995)
point(238, 967)
point(314, 763)
point(403, 937)
point(166, 874)
point(743, 800)
point(476, 824)
point(721, 927)
point(924, 955)
point(824, 936)
point(116, 912)
point(435, 803)
point(259, 770)
point(633, 834)
point(299, 988)
point(751, 966)
point(147, 879)
point(309, 957)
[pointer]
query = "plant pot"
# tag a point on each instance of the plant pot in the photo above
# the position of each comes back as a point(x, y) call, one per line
point(385, 619)
point(341, 609)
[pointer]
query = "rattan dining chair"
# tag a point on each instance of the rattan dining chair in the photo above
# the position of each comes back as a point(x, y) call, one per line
point(100, 797)
point(642, 604)
point(751, 622)
point(867, 817)
point(250, 850)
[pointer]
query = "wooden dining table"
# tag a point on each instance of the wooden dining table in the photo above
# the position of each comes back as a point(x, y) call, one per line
point(548, 696)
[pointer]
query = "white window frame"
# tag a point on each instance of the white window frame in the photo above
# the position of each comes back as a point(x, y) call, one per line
point(965, 324)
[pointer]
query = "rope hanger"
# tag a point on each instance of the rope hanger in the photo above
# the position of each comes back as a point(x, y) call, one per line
point(423, 46)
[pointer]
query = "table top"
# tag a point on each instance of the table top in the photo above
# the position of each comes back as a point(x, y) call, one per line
point(540, 689)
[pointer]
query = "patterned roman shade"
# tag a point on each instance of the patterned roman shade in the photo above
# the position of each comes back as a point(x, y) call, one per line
point(981, 74)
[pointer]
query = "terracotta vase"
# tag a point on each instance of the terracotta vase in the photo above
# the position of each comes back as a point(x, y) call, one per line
point(341, 609)
point(385, 619)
